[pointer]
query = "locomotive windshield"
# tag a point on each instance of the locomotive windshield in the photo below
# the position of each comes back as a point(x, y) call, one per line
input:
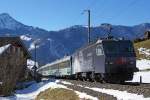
point(118, 47)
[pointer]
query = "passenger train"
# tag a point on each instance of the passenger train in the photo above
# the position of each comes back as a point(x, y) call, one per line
point(106, 60)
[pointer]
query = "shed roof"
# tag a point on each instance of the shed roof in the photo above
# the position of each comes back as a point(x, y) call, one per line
point(3, 48)
point(14, 41)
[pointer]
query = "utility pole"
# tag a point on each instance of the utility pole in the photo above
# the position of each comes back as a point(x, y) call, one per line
point(35, 54)
point(89, 23)
point(35, 67)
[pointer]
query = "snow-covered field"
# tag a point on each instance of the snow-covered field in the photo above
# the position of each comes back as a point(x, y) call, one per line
point(142, 65)
point(144, 51)
point(145, 77)
point(120, 95)
point(32, 91)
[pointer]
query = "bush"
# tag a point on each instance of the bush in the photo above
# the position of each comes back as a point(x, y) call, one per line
point(57, 94)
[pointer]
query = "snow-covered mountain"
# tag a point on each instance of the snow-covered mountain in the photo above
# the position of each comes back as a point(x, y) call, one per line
point(52, 45)
point(7, 22)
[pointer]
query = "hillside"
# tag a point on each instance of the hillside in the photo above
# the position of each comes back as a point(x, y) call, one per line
point(143, 61)
point(142, 49)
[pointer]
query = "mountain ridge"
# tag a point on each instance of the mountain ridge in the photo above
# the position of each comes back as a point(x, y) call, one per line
point(55, 44)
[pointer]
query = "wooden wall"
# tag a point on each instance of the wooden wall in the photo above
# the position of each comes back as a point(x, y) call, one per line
point(12, 69)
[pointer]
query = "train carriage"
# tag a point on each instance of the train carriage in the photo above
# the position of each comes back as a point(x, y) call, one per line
point(105, 60)
point(58, 68)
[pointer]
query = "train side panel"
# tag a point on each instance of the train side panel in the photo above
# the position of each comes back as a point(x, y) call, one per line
point(77, 62)
point(61, 67)
point(89, 59)
point(65, 68)
point(99, 59)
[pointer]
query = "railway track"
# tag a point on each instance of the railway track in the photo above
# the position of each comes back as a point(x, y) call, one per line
point(136, 88)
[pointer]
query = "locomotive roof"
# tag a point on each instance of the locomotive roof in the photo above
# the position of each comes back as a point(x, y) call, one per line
point(99, 41)
point(66, 58)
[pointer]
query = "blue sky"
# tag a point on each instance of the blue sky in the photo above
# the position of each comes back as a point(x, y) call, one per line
point(59, 14)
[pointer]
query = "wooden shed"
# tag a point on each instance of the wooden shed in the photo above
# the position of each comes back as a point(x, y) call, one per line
point(13, 63)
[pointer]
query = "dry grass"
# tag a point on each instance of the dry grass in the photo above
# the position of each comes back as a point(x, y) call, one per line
point(57, 94)
point(144, 44)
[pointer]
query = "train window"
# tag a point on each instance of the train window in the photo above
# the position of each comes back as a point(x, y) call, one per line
point(118, 47)
point(126, 48)
point(99, 50)
point(111, 48)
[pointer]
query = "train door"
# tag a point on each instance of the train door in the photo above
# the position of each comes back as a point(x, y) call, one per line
point(99, 59)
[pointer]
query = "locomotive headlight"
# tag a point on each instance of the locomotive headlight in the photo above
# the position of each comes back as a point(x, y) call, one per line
point(109, 62)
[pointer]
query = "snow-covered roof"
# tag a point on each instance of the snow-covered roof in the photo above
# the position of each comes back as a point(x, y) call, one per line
point(99, 41)
point(66, 58)
point(15, 41)
point(3, 48)
point(24, 37)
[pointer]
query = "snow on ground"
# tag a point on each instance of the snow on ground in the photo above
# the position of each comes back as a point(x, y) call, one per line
point(143, 64)
point(85, 96)
point(145, 77)
point(68, 83)
point(31, 63)
point(144, 51)
point(80, 85)
point(120, 95)
point(81, 95)
point(24, 37)
point(32, 91)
